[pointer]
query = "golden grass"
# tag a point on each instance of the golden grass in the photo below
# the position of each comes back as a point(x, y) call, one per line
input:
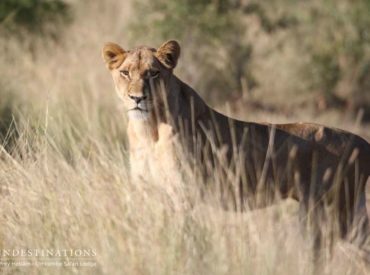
point(65, 185)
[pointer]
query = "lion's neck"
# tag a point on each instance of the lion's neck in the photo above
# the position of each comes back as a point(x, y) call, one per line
point(189, 106)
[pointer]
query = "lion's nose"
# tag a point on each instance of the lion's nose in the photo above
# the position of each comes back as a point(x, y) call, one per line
point(137, 99)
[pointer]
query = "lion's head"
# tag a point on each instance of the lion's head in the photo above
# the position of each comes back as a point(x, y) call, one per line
point(141, 76)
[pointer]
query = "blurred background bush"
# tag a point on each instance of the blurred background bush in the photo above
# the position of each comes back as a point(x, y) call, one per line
point(37, 16)
point(286, 60)
point(318, 51)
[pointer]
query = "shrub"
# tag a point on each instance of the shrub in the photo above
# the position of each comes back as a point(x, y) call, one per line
point(35, 16)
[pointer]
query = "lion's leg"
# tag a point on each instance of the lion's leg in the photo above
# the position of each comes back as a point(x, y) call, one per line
point(353, 215)
point(310, 228)
point(317, 227)
point(360, 230)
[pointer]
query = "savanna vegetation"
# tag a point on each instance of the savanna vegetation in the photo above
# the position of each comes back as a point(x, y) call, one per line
point(64, 177)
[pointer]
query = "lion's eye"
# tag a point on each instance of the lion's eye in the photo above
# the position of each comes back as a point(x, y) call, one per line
point(154, 74)
point(125, 73)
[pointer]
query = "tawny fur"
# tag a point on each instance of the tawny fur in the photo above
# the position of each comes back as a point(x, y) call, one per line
point(308, 162)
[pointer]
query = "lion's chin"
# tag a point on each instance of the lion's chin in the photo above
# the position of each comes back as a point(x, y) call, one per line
point(138, 114)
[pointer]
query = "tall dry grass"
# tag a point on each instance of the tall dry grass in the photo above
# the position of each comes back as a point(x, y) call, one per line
point(65, 182)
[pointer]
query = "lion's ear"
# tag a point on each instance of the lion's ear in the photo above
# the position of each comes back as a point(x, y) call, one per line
point(113, 55)
point(169, 53)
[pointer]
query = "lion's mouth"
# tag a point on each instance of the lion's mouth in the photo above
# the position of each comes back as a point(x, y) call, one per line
point(138, 113)
point(138, 109)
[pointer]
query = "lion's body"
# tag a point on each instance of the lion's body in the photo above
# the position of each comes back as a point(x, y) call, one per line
point(308, 162)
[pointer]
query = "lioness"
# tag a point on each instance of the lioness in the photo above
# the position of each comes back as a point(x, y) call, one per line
point(313, 164)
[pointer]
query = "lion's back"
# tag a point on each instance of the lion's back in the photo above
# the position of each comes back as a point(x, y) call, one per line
point(337, 141)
